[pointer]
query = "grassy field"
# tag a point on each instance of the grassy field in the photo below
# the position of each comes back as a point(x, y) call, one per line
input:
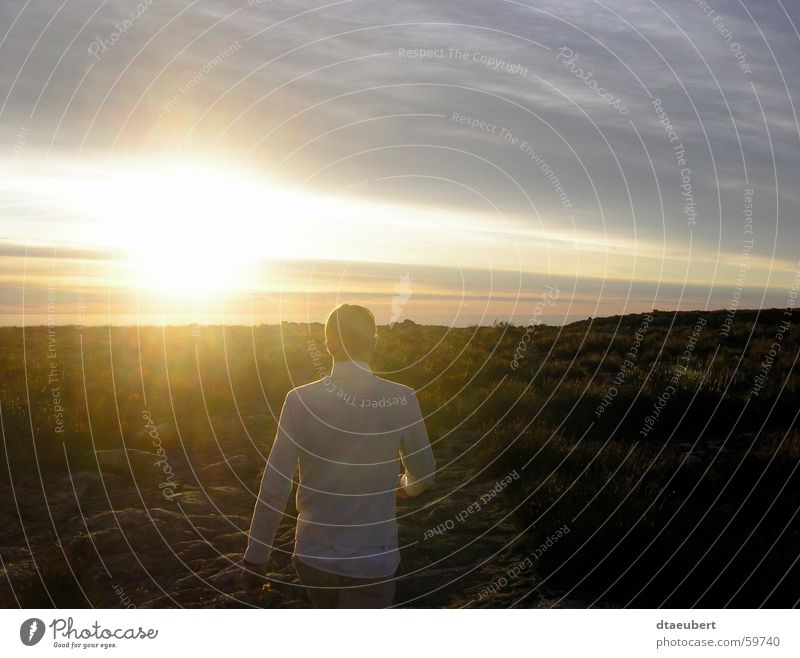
point(655, 455)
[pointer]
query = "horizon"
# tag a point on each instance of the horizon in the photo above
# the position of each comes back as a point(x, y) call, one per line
point(321, 323)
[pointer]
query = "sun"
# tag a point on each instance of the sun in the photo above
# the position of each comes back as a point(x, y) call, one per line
point(190, 230)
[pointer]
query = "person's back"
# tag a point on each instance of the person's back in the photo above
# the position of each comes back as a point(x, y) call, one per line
point(348, 433)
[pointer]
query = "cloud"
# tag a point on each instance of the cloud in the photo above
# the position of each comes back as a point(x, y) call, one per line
point(321, 97)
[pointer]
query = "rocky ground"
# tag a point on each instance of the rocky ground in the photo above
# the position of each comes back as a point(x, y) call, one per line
point(109, 537)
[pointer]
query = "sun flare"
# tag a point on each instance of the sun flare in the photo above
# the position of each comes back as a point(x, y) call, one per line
point(193, 230)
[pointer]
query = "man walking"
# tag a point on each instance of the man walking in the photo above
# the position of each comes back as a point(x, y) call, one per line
point(347, 434)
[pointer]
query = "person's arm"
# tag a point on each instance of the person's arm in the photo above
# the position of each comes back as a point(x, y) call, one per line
point(416, 453)
point(276, 485)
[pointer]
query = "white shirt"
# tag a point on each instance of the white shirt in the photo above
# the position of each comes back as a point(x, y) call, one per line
point(348, 433)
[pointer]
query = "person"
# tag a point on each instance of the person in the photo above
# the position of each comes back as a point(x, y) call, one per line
point(349, 434)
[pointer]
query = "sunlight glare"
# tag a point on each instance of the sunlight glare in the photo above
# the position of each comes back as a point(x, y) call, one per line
point(193, 230)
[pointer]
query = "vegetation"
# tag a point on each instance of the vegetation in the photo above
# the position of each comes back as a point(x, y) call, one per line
point(697, 506)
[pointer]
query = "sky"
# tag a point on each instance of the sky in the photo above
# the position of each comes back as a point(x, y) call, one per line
point(448, 162)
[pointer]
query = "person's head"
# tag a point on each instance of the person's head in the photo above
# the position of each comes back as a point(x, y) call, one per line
point(350, 333)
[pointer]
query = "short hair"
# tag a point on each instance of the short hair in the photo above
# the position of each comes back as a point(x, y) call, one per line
point(353, 328)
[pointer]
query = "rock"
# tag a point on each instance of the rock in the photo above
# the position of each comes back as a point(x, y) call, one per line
point(128, 461)
point(196, 550)
point(212, 523)
point(230, 496)
point(230, 470)
point(83, 482)
point(231, 542)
